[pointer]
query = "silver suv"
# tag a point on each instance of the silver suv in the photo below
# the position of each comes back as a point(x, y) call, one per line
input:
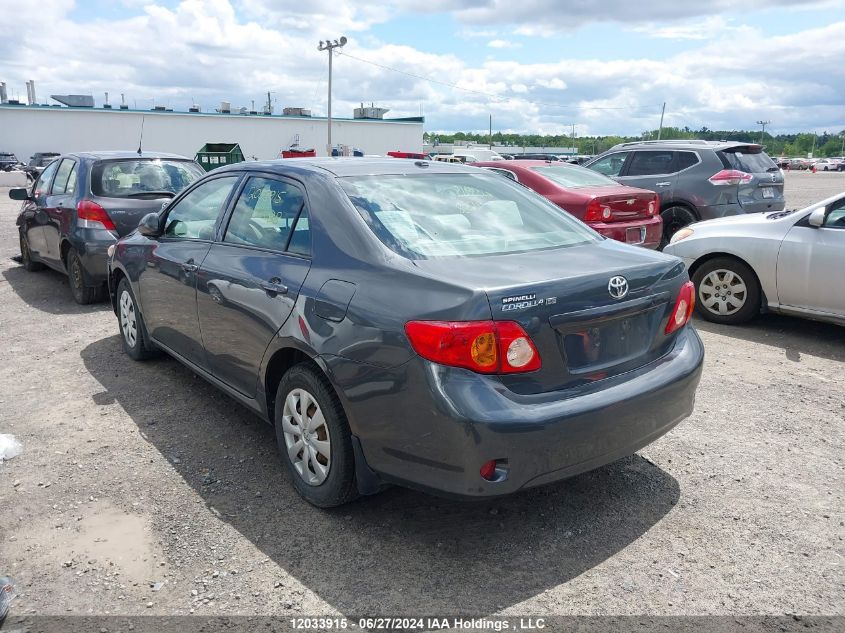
point(697, 180)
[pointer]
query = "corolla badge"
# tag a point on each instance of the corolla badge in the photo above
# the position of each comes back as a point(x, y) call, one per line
point(617, 287)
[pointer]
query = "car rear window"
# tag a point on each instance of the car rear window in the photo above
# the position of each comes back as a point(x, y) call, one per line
point(573, 177)
point(460, 215)
point(749, 161)
point(142, 177)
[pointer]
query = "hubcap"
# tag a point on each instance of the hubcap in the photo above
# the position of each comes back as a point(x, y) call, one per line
point(128, 319)
point(307, 437)
point(722, 292)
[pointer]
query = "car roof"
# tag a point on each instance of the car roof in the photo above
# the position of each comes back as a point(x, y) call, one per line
point(524, 164)
point(112, 154)
point(350, 166)
point(684, 144)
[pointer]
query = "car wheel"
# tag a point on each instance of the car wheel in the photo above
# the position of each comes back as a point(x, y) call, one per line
point(314, 438)
point(82, 293)
point(674, 219)
point(26, 257)
point(727, 291)
point(133, 332)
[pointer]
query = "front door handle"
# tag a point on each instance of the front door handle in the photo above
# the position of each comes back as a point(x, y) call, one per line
point(663, 184)
point(274, 286)
point(190, 267)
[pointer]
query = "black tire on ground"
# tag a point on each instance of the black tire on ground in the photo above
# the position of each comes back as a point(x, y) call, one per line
point(26, 257)
point(339, 486)
point(734, 273)
point(136, 343)
point(674, 219)
point(82, 293)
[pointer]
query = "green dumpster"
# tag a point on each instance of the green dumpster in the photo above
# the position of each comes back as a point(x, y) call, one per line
point(213, 155)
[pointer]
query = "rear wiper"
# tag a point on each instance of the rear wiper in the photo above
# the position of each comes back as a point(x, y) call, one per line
point(773, 168)
point(155, 194)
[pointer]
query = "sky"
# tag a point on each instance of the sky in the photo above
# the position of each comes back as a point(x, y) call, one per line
point(535, 66)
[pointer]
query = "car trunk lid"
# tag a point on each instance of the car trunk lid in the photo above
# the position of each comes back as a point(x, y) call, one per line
point(562, 299)
point(764, 190)
point(126, 213)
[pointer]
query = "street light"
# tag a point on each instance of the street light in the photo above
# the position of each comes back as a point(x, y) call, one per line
point(329, 45)
point(763, 132)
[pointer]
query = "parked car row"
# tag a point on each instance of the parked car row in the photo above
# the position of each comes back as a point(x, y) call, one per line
point(804, 164)
point(353, 302)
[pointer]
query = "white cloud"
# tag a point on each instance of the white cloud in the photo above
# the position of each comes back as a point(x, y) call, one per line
point(499, 43)
point(236, 51)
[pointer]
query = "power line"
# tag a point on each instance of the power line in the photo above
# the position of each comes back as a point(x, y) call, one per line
point(491, 95)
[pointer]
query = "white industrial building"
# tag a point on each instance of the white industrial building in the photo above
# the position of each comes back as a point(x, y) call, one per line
point(26, 129)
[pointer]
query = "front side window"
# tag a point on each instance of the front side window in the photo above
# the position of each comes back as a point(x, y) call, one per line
point(142, 177)
point(651, 163)
point(574, 176)
point(611, 164)
point(460, 215)
point(194, 216)
point(265, 214)
point(40, 186)
point(835, 218)
point(67, 169)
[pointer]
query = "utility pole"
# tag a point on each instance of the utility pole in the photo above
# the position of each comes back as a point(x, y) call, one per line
point(763, 131)
point(330, 45)
point(491, 132)
point(660, 129)
point(813, 150)
point(842, 149)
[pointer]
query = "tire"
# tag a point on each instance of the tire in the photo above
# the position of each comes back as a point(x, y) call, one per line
point(136, 342)
point(717, 295)
point(82, 293)
point(674, 219)
point(323, 469)
point(26, 257)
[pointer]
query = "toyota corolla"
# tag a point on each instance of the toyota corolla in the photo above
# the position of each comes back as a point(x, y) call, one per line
point(426, 324)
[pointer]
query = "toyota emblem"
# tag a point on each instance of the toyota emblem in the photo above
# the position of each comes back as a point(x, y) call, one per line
point(617, 287)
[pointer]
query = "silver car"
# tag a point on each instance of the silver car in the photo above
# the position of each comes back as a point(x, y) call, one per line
point(792, 262)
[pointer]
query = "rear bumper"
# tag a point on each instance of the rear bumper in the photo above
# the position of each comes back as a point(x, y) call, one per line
point(631, 232)
point(711, 212)
point(433, 427)
point(92, 246)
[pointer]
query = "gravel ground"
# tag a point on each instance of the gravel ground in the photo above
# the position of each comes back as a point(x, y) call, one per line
point(143, 490)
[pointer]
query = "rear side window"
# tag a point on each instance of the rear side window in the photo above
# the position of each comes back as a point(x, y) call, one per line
point(265, 213)
point(750, 162)
point(194, 216)
point(142, 177)
point(460, 215)
point(611, 164)
point(686, 160)
point(67, 171)
point(649, 163)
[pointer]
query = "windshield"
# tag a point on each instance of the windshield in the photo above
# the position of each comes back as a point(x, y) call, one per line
point(136, 177)
point(752, 163)
point(573, 177)
point(460, 215)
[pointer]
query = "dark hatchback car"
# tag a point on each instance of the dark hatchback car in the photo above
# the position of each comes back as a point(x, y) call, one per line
point(412, 322)
point(82, 203)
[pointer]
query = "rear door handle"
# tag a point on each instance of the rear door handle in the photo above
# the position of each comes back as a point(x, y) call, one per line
point(274, 286)
point(663, 184)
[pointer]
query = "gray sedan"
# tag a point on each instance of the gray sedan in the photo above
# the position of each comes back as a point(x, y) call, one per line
point(789, 261)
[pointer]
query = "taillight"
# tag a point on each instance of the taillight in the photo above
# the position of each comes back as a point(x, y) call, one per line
point(597, 211)
point(682, 312)
point(92, 216)
point(486, 347)
point(654, 205)
point(730, 177)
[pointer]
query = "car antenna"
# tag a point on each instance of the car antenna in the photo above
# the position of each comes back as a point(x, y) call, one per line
point(141, 140)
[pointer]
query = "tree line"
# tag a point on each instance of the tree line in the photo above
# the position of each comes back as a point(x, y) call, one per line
point(800, 144)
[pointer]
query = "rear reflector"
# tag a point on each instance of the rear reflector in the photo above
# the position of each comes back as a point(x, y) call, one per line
point(486, 347)
point(93, 216)
point(730, 177)
point(682, 312)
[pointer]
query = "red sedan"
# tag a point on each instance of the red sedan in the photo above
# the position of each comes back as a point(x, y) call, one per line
point(627, 214)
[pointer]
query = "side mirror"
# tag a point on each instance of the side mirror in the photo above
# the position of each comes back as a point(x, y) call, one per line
point(816, 218)
point(150, 225)
point(19, 193)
